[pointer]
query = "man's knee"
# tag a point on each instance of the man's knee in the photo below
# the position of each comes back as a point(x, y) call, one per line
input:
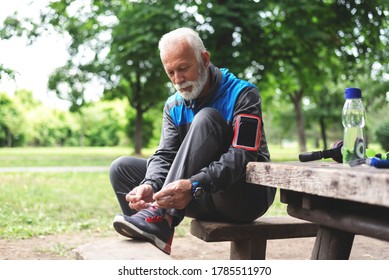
point(115, 170)
point(124, 167)
point(127, 169)
point(208, 115)
point(117, 165)
point(210, 120)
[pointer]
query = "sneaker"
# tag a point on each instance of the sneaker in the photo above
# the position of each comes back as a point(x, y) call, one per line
point(148, 224)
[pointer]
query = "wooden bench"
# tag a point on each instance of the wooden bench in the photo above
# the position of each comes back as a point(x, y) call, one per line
point(248, 241)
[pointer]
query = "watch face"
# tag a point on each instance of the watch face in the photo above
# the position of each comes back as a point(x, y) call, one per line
point(198, 193)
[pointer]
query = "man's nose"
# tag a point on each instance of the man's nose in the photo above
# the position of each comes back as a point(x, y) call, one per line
point(178, 78)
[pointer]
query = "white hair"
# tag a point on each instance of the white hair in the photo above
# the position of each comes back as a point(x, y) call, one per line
point(169, 40)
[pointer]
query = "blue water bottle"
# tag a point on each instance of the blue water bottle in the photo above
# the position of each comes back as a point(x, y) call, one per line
point(353, 119)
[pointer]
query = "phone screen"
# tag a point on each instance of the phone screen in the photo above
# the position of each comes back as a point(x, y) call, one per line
point(247, 132)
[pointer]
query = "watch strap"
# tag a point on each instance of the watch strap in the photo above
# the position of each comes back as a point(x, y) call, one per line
point(195, 185)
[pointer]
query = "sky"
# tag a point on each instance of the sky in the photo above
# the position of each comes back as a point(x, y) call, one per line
point(33, 63)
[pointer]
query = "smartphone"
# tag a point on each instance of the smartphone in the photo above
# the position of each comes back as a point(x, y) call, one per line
point(247, 132)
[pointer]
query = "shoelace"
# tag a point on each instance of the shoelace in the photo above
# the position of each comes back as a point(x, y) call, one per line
point(156, 218)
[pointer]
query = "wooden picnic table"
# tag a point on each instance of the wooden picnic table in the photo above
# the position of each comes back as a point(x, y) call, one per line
point(344, 201)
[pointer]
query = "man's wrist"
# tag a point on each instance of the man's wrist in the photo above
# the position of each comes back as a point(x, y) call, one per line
point(151, 183)
point(197, 189)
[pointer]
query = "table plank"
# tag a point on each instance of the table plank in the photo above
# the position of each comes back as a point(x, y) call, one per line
point(362, 184)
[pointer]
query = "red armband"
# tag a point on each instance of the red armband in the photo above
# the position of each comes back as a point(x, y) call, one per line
point(247, 132)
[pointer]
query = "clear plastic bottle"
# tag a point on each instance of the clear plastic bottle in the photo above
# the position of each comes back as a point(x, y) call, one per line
point(353, 119)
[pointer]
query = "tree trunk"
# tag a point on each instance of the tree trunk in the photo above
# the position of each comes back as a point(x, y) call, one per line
point(296, 98)
point(9, 137)
point(138, 131)
point(323, 132)
point(136, 102)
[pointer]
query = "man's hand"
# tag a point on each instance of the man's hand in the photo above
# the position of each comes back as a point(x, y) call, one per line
point(140, 197)
point(176, 195)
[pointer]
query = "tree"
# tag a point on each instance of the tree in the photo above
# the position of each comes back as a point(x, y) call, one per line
point(102, 123)
point(382, 135)
point(126, 61)
point(133, 54)
point(294, 49)
point(12, 122)
point(26, 99)
point(48, 127)
point(4, 71)
point(234, 35)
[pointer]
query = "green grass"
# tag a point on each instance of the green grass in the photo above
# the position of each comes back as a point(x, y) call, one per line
point(93, 156)
point(278, 153)
point(38, 203)
point(103, 156)
point(277, 208)
point(34, 204)
point(71, 156)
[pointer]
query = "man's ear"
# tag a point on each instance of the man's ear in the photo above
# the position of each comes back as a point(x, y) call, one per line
point(206, 58)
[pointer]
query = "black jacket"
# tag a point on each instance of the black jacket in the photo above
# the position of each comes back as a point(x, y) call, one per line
point(231, 166)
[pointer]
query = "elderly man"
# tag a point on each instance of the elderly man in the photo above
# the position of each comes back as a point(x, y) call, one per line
point(212, 127)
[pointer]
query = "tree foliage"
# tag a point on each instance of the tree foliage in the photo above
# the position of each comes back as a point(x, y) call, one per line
point(316, 44)
point(122, 39)
point(382, 134)
point(103, 124)
point(24, 121)
point(12, 122)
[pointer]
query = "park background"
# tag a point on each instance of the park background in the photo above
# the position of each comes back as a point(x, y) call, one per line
point(300, 54)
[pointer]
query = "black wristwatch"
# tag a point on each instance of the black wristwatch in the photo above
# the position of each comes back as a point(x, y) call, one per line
point(197, 190)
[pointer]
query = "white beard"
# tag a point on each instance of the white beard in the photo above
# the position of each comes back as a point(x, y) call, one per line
point(197, 86)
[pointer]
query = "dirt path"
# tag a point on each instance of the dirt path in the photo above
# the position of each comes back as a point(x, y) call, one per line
point(60, 248)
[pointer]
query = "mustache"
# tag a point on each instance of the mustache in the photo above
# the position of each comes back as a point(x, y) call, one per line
point(184, 85)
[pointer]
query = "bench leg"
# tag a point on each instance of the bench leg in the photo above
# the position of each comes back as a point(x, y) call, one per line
point(254, 249)
point(332, 244)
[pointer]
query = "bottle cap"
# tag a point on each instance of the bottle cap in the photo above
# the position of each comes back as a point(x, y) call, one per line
point(350, 93)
